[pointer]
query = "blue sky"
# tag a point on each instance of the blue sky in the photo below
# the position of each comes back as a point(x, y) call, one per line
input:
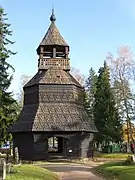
point(92, 28)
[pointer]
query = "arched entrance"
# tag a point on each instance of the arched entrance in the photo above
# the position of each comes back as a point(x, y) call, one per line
point(56, 144)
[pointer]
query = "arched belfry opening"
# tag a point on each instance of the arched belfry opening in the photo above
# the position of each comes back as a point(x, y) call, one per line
point(53, 118)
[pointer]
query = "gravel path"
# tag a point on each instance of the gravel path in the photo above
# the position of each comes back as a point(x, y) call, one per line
point(68, 171)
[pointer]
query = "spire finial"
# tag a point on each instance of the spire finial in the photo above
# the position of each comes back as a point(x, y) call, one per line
point(53, 18)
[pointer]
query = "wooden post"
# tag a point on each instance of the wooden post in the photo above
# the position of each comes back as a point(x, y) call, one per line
point(41, 52)
point(40, 61)
point(66, 52)
point(54, 52)
point(53, 141)
point(65, 147)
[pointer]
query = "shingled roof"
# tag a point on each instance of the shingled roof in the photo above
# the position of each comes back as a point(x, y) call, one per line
point(50, 108)
point(58, 117)
point(53, 36)
point(53, 76)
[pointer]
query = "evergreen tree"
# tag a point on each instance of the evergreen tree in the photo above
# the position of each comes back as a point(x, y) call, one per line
point(90, 87)
point(7, 103)
point(105, 111)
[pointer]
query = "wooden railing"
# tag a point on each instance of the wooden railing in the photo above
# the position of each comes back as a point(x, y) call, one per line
point(46, 63)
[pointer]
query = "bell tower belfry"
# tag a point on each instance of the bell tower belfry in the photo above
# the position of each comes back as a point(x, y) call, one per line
point(53, 50)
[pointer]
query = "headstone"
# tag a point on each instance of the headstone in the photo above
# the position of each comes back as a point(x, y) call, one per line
point(133, 158)
point(100, 147)
point(4, 169)
point(16, 156)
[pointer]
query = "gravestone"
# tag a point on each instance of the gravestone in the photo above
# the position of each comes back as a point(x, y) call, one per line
point(3, 168)
point(16, 156)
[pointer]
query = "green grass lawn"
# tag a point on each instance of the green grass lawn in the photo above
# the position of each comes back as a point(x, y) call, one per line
point(116, 171)
point(31, 172)
point(112, 155)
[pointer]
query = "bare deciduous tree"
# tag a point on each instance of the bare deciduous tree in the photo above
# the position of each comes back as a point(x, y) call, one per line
point(123, 66)
point(78, 75)
point(24, 79)
point(122, 76)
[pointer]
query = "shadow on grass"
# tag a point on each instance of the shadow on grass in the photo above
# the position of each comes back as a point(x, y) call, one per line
point(116, 170)
point(25, 172)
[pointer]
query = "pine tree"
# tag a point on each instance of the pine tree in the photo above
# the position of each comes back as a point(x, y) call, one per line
point(7, 102)
point(105, 112)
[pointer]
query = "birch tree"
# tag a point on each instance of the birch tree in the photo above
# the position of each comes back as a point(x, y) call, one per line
point(122, 78)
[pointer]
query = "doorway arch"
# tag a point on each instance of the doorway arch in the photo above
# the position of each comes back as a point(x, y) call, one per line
point(56, 144)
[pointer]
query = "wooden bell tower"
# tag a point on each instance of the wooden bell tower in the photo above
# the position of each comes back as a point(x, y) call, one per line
point(53, 50)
